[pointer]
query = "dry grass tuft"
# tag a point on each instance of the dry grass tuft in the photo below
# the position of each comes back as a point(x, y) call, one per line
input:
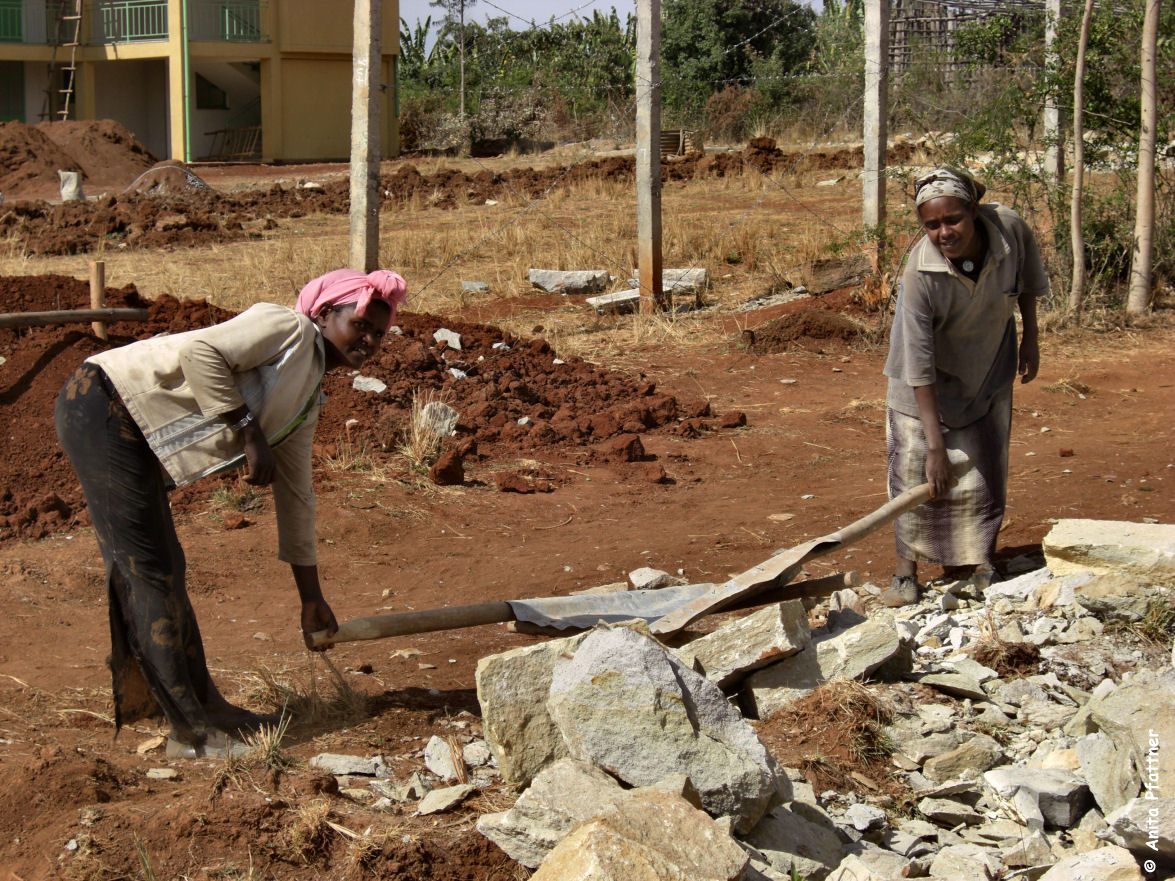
point(831, 733)
point(309, 835)
point(1158, 625)
point(265, 746)
point(421, 444)
point(1006, 658)
point(303, 700)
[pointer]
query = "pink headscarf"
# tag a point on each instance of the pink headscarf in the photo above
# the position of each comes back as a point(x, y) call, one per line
point(346, 286)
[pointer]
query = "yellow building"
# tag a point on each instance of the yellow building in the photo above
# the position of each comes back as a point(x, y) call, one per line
point(196, 79)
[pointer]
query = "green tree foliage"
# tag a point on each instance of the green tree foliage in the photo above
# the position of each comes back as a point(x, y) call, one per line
point(708, 45)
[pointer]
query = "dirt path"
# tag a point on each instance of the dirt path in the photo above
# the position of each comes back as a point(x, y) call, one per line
point(397, 546)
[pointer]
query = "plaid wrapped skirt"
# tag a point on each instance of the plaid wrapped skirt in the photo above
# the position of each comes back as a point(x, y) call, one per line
point(960, 529)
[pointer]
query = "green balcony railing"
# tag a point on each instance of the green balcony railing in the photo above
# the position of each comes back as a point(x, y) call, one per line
point(11, 21)
point(227, 21)
point(129, 21)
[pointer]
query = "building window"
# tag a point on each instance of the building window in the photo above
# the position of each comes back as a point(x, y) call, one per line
point(210, 96)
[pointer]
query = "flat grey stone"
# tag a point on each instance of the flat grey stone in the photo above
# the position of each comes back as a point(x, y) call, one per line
point(440, 418)
point(919, 749)
point(1140, 716)
point(1109, 863)
point(1060, 796)
point(440, 800)
point(955, 684)
point(1019, 690)
point(797, 843)
point(1146, 550)
point(450, 338)
point(623, 703)
point(652, 835)
point(438, 758)
point(162, 774)
point(477, 754)
point(866, 818)
point(475, 287)
point(726, 655)
point(847, 654)
point(583, 281)
point(949, 812)
point(1113, 596)
point(647, 578)
point(1146, 826)
point(334, 763)
point(619, 302)
point(1045, 714)
point(965, 862)
point(977, 754)
point(363, 383)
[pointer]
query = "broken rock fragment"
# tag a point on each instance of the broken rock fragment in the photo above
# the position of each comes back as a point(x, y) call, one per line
point(623, 703)
point(564, 795)
point(651, 836)
point(732, 651)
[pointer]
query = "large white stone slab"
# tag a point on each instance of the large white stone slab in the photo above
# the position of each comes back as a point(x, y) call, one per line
point(1146, 550)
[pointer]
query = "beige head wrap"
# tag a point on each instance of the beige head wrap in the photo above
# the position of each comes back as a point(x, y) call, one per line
point(947, 182)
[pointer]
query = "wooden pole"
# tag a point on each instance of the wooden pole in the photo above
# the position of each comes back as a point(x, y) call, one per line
point(365, 140)
point(71, 316)
point(1076, 238)
point(1141, 290)
point(98, 294)
point(875, 114)
point(648, 154)
point(1054, 154)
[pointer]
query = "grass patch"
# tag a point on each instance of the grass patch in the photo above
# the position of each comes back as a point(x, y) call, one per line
point(1158, 625)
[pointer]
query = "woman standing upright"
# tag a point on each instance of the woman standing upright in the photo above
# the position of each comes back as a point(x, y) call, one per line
point(952, 362)
point(143, 418)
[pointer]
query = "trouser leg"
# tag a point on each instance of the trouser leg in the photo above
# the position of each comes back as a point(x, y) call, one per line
point(157, 656)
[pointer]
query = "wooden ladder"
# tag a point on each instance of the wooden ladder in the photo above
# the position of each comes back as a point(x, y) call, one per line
point(68, 36)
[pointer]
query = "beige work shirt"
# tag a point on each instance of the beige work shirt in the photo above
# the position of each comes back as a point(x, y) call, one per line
point(957, 334)
point(177, 386)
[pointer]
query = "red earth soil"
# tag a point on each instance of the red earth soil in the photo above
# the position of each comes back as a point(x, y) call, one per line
point(80, 806)
point(206, 216)
point(572, 404)
point(106, 153)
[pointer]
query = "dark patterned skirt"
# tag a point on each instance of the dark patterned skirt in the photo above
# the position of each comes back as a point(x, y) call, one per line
point(960, 529)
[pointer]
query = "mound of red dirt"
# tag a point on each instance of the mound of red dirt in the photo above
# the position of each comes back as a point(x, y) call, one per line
point(511, 398)
point(806, 324)
point(197, 216)
point(29, 161)
point(108, 153)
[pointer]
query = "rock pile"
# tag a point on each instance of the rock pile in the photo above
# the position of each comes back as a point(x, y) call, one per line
point(1028, 736)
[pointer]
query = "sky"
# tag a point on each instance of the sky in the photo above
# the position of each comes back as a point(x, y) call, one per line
point(521, 12)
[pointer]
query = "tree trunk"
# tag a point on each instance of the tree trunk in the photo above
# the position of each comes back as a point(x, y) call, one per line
point(461, 36)
point(1139, 299)
point(1077, 287)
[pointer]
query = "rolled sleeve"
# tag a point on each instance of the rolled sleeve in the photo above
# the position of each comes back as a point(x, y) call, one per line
point(293, 496)
point(210, 358)
point(1034, 280)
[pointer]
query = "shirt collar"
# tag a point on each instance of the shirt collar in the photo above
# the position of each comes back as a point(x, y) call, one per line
point(930, 259)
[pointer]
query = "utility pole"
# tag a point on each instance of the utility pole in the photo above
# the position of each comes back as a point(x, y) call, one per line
point(876, 111)
point(1054, 155)
point(648, 153)
point(365, 135)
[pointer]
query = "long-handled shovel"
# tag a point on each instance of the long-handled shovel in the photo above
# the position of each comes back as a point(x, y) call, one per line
point(669, 609)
